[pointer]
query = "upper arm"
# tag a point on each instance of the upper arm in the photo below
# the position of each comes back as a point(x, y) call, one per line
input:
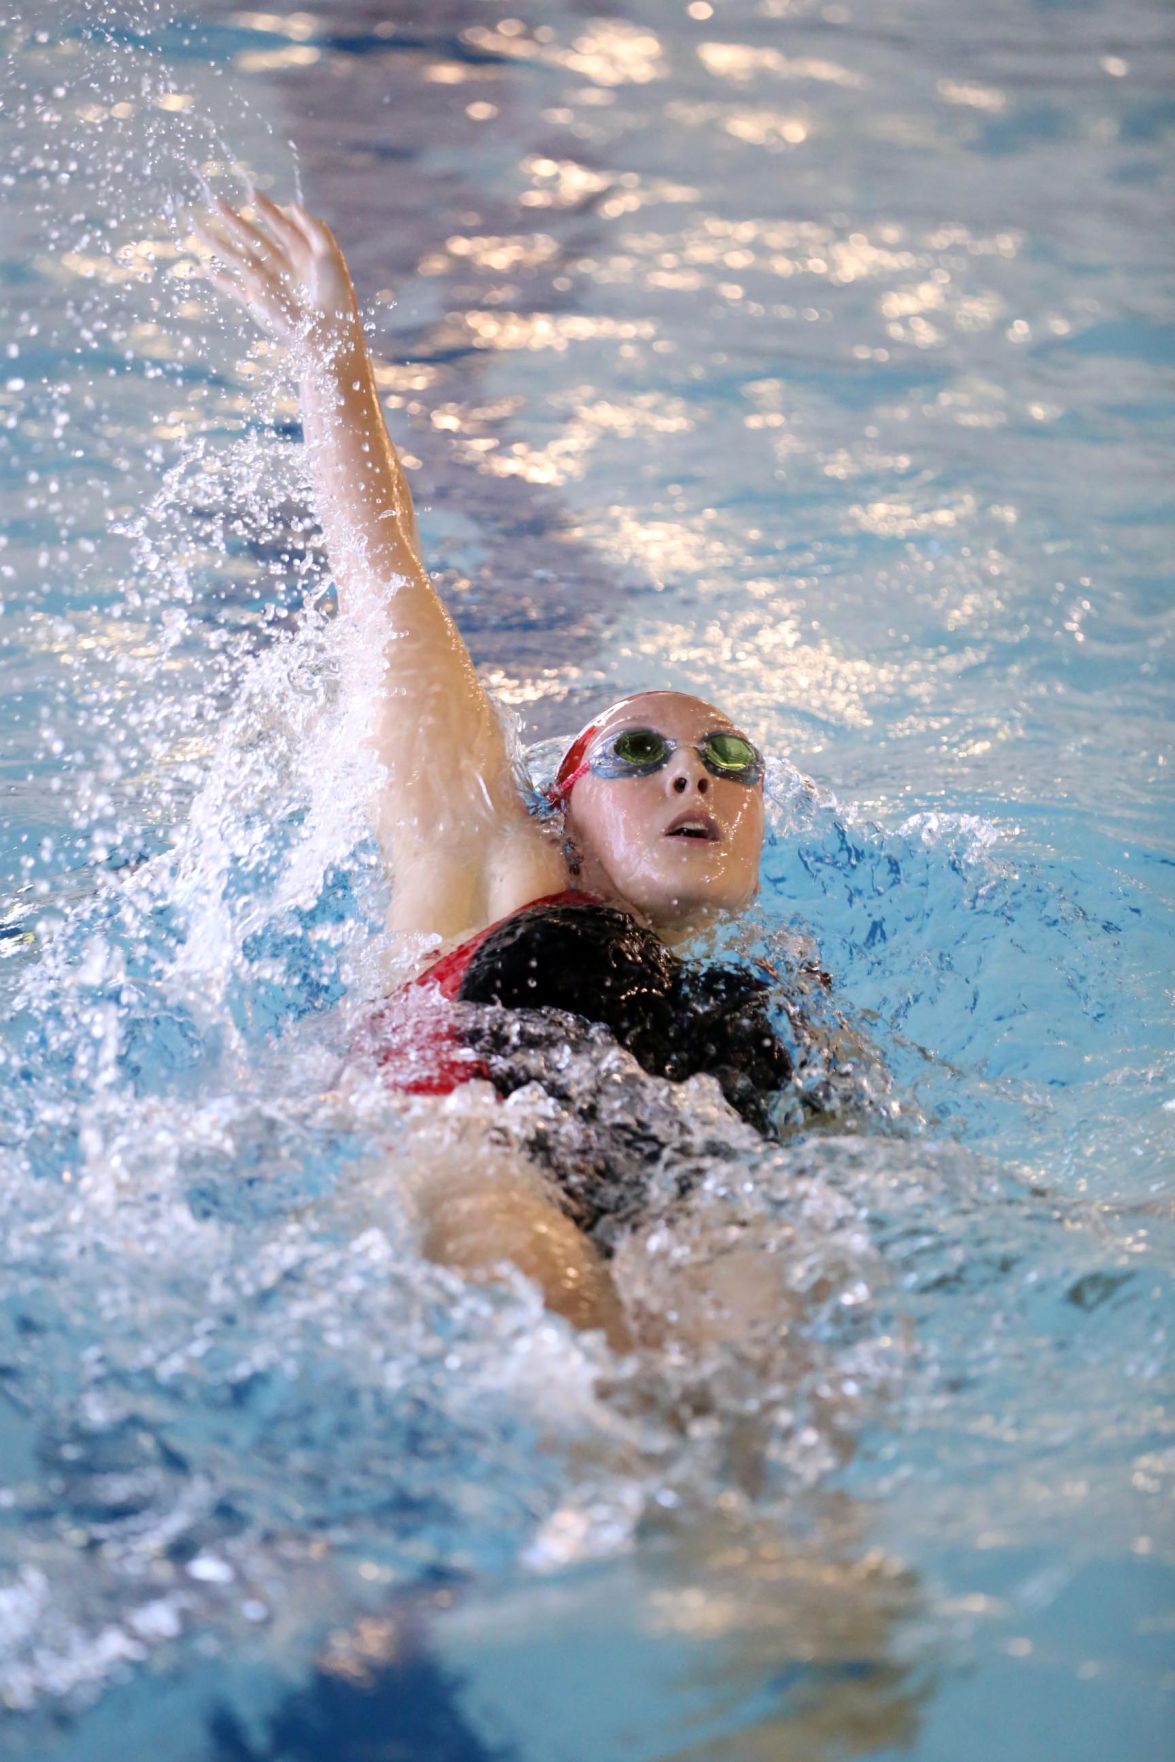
point(461, 846)
point(448, 793)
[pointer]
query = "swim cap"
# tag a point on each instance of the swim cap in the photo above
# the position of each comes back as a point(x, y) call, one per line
point(571, 766)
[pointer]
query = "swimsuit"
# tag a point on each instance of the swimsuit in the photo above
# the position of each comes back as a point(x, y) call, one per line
point(569, 952)
point(590, 960)
point(415, 1038)
point(515, 1004)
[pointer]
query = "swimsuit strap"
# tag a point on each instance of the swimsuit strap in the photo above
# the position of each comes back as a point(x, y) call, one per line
point(448, 972)
point(422, 1054)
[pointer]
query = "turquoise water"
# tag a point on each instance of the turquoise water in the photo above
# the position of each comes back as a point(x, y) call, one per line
point(815, 358)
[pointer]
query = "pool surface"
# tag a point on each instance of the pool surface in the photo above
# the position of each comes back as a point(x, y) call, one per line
point(816, 357)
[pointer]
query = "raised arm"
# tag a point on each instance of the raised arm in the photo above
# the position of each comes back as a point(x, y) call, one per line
point(461, 845)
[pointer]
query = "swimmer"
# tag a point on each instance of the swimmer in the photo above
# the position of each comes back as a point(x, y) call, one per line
point(661, 797)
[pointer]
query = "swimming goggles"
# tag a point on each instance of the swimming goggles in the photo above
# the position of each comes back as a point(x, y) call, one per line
point(638, 752)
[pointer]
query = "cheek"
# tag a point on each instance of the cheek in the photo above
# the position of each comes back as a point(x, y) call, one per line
point(613, 821)
point(748, 835)
point(745, 849)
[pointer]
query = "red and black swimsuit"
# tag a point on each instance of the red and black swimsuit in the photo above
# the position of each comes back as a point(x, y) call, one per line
point(571, 953)
point(524, 1002)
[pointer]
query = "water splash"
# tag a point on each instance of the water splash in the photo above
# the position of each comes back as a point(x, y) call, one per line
point(244, 1407)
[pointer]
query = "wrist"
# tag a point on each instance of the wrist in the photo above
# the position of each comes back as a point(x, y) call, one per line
point(333, 345)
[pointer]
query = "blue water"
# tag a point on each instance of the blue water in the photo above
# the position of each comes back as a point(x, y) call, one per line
point(814, 358)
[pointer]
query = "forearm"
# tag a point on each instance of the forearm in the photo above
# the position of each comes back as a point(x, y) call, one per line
point(362, 496)
point(365, 506)
point(286, 268)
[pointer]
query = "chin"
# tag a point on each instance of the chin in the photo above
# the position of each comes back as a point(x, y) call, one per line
point(684, 908)
point(675, 896)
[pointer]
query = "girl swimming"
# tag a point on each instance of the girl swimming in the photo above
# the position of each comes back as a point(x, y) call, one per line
point(661, 798)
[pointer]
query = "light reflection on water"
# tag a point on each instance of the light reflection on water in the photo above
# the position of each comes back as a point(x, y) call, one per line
point(744, 347)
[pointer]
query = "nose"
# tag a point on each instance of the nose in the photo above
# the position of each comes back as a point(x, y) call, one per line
point(686, 770)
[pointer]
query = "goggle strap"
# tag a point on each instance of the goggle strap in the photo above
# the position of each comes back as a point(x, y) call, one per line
point(572, 766)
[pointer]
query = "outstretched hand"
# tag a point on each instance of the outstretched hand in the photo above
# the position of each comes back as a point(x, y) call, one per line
point(283, 266)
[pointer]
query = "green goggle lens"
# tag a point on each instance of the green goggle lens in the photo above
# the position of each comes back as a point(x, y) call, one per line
point(641, 746)
point(730, 752)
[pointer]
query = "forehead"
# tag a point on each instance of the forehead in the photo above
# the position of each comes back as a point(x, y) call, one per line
point(671, 712)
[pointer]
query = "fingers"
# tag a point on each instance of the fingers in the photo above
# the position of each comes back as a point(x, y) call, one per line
point(247, 287)
point(278, 223)
point(248, 239)
point(282, 264)
point(236, 252)
point(224, 283)
point(294, 231)
point(259, 292)
point(318, 235)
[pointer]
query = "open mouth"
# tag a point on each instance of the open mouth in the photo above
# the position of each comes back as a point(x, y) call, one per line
point(696, 826)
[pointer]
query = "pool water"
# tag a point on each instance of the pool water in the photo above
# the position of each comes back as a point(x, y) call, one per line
point(811, 356)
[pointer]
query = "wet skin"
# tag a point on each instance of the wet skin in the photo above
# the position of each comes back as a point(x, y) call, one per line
point(680, 845)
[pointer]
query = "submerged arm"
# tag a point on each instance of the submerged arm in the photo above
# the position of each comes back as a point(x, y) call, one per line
point(449, 815)
point(477, 1226)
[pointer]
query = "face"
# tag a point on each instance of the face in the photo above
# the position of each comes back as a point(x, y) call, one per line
point(680, 844)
